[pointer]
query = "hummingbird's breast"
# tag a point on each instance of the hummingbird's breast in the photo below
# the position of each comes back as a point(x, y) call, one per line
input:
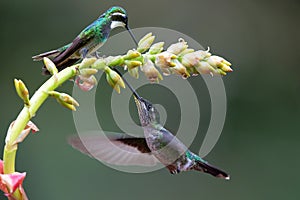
point(164, 145)
point(94, 47)
point(101, 31)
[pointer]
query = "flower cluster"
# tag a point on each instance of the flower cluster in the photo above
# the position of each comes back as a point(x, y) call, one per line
point(181, 60)
point(152, 60)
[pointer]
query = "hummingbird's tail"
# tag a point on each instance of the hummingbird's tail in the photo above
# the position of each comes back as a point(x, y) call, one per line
point(60, 66)
point(50, 54)
point(60, 62)
point(210, 169)
point(53, 54)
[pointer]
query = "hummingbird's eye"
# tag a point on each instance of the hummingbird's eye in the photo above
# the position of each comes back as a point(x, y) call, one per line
point(149, 107)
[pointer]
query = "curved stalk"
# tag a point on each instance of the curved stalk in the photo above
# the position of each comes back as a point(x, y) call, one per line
point(27, 113)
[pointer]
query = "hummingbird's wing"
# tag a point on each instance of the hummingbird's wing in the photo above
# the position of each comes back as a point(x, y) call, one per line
point(116, 149)
point(64, 56)
point(79, 42)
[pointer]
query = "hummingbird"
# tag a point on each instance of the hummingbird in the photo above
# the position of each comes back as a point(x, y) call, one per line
point(157, 145)
point(89, 39)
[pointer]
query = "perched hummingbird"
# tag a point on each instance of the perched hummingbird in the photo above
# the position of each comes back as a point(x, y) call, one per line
point(89, 40)
point(158, 145)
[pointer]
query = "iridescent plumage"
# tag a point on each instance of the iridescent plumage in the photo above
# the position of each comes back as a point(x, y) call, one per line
point(158, 145)
point(89, 39)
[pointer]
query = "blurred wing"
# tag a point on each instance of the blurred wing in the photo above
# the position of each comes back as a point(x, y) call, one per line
point(116, 149)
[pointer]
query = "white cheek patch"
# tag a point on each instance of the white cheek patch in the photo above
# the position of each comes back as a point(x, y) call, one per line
point(115, 24)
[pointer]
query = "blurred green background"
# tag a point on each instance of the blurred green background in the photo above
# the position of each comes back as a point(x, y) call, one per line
point(260, 143)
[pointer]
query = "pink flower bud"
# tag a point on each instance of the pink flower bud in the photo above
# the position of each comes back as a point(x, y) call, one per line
point(164, 60)
point(178, 47)
point(192, 59)
point(151, 72)
point(86, 83)
point(180, 69)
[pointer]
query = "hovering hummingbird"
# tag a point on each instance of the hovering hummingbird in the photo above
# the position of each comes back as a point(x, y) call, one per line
point(158, 145)
point(89, 39)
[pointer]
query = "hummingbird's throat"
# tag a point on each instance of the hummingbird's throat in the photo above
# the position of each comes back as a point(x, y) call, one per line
point(115, 24)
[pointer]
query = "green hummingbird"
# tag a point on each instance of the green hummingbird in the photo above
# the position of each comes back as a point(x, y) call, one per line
point(89, 39)
point(157, 145)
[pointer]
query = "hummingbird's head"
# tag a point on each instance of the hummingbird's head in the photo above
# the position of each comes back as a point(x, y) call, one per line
point(147, 111)
point(118, 18)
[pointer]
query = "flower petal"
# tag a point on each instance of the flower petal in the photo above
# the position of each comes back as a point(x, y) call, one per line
point(1, 166)
point(85, 85)
point(29, 127)
point(11, 181)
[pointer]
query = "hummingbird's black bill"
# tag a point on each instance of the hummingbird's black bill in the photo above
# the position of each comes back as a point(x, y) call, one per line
point(129, 86)
point(132, 35)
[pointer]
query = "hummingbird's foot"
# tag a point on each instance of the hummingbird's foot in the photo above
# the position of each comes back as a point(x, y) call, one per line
point(173, 169)
point(96, 54)
point(188, 165)
point(83, 52)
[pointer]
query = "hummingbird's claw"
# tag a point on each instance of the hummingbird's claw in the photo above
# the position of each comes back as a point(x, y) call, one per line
point(173, 169)
point(84, 52)
point(97, 54)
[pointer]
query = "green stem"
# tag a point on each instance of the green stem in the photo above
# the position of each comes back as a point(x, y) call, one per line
point(10, 149)
point(9, 160)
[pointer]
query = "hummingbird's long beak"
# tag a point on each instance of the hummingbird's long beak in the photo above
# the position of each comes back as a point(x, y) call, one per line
point(129, 86)
point(131, 34)
point(139, 101)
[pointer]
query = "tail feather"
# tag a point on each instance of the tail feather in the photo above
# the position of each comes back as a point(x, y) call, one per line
point(210, 169)
point(59, 57)
point(53, 54)
point(50, 54)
